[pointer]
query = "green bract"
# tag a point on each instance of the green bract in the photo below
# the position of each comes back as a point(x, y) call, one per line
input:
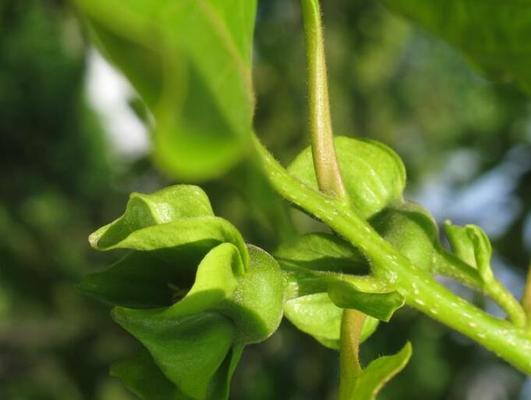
point(199, 91)
point(373, 174)
point(190, 291)
point(371, 379)
point(380, 304)
point(411, 229)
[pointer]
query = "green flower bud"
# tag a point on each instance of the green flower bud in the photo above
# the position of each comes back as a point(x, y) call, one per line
point(190, 291)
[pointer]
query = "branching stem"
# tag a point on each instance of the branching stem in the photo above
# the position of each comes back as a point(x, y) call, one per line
point(418, 287)
point(449, 265)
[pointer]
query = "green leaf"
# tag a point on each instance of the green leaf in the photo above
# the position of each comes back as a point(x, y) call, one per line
point(322, 252)
point(317, 316)
point(374, 175)
point(199, 91)
point(144, 378)
point(380, 305)
point(494, 37)
point(378, 373)
point(256, 305)
point(411, 229)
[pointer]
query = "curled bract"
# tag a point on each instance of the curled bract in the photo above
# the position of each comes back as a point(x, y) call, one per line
point(191, 291)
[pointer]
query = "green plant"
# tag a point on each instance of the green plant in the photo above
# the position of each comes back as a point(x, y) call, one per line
point(195, 294)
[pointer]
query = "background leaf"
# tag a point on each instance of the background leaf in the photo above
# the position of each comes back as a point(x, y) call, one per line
point(493, 36)
point(200, 90)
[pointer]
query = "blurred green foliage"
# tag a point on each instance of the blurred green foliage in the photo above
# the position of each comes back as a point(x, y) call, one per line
point(492, 37)
point(390, 81)
point(199, 90)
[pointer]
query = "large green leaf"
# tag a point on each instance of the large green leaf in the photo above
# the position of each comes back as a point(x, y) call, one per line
point(493, 35)
point(190, 60)
point(374, 175)
point(372, 379)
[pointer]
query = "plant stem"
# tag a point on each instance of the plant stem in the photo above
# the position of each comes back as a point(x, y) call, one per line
point(328, 173)
point(349, 361)
point(323, 150)
point(449, 265)
point(499, 293)
point(419, 288)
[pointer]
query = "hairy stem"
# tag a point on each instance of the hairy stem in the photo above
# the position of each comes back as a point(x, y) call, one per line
point(328, 173)
point(419, 288)
point(323, 150)
point(349, 361)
